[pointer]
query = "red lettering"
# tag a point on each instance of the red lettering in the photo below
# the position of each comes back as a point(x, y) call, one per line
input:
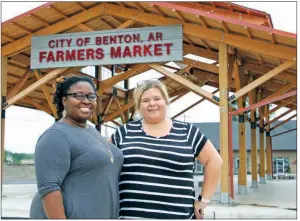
point(79, 41)
point(105, 40)
point(42, 55)
point(115, 53)
point(80, 54)
point(137, 49)
point(113, 39)
point(157, 49)
point(59, 55)
point(89, 53)
point(61, 42)
point(120, 38)
point(69, 42)
point(70, 56)
point(136, 38)
point(51, 43)
point(158, 36)
point(99, 53)
point(98, 40)
point(128, 38)
point(147, 50)
point(86, 40)
point(50, 56)
point(168, 45)
point(151, 37)
point(127, 52)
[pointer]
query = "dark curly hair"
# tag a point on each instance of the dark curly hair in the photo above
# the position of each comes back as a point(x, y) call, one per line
point(62, 89)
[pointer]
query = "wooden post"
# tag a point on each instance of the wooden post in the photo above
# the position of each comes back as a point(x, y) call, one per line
point(252, 100)
point(268, 144)
point(3, 100)
point(242, 175)
point(262, 168)
point(223, 87)
point(98, 75)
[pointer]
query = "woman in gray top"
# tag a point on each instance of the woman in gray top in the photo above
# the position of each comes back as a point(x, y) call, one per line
point(77, 170)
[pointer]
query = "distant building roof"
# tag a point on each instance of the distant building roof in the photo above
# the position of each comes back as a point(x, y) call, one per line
point(285, 141)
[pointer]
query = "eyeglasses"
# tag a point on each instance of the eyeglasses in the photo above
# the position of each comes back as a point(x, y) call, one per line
point(82, 96)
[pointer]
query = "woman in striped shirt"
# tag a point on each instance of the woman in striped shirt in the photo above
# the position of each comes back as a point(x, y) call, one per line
point(156, 181)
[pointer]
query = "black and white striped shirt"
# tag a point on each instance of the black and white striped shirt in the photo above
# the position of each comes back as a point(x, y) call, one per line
point(156, 181)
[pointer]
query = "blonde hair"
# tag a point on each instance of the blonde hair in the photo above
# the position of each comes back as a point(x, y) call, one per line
point(146, 85)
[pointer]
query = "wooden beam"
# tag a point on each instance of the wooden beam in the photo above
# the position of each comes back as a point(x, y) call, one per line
point(278, 117)
point(139, 6)
point(262, 79)
point(47, 96)
point(255, 45)
point(80, 6)
point(252, 99)
point(119, 107)
point(118, 112)
point(25, 42)
point(282, 90)
point(179, 15)
point(200, 91)
point(19, 85)
point(282, 105)
point(21, 27)
point(224, 152)
point(202, 21)
point(262, 166)
point(3, 83)
point(37, 105)
point(126, 24)
point(7, 37)
point(201, 65)
point(108, 83)
point(225, 27)
point(34, 86)
point(189, 49)
point(35, 17)
point(193, 105)
point(248, 32)
point(268, 145)
point(283, 122)
point(106, 108)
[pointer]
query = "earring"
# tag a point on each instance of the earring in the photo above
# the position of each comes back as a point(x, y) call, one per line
point(64, 113)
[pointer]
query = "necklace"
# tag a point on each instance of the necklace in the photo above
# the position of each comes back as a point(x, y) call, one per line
point(103, 144)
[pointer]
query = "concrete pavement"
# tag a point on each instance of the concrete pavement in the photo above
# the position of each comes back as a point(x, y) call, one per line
point(274, 200)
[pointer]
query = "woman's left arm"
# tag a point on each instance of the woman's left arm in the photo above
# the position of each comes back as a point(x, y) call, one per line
point(212, 161)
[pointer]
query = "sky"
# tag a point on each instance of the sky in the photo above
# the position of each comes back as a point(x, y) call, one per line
point(24, 126)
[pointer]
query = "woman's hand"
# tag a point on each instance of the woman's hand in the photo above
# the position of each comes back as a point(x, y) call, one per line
point(198, 210)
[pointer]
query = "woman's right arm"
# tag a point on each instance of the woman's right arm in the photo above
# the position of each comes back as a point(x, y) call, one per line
point(52, 163)
point(53, 205)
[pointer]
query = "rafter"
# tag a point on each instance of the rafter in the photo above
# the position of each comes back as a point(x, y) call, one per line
point(21, 27)
point(237, 41)
point(262, 79)
point(184, 82)
point(19, 85)
point(202, 21)
point(225, 27)
point(248, 32)
point(37, 105)
point(24, 43)
point(45, 23)
point(47, 95)
point(283, 122)
point(7, 37)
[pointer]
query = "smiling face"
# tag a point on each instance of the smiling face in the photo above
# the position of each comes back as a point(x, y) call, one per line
point(153, 107)
point(79, 110)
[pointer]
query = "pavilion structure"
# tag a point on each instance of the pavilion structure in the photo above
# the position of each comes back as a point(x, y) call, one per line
point(248, 57)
